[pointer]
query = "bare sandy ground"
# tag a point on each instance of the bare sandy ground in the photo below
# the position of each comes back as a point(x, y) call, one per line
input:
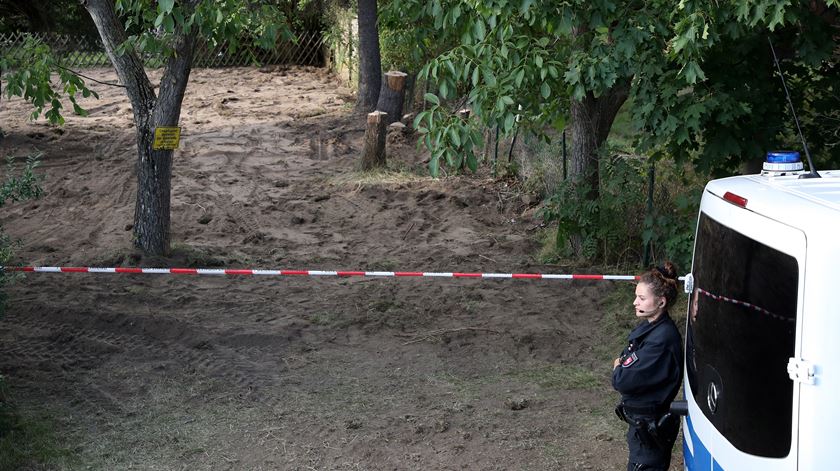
point(165, 372)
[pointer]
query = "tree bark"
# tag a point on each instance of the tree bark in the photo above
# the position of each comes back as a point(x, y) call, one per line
point(373, 155)
point(392, 96)
point(591, 120)
point(154, 167)
point(370, 62)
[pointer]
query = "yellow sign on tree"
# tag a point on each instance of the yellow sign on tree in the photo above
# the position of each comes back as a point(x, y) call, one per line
point(167, 138)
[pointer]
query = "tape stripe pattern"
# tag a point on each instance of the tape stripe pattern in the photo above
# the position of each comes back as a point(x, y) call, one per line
point(343, 274)
point(718, 297)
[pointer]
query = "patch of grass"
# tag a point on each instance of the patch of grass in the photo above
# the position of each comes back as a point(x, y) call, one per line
point(385, 264)
point(617, 322)
point(466, 389)
point(194, 257)
point(623, 133)
point(549, 253)
point(136, 290)
point(28, 441)
point(326, 319)
point(394, 176)
point(560, 376)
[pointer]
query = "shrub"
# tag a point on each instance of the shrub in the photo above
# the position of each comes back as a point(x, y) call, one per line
point(15, 188)
point(615, 228)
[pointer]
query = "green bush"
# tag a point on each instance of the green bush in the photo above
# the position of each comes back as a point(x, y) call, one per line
point(616, 227)
point(15, 188)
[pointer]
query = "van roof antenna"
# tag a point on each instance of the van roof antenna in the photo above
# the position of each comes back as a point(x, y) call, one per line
point(813, 173)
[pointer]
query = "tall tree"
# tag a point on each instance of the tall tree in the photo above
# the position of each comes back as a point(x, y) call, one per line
point(583, 59)
point(131, 28)
point(370, 62)
point(731, 107)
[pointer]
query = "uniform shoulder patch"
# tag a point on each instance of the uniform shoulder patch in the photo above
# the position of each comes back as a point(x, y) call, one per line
point(629, 361)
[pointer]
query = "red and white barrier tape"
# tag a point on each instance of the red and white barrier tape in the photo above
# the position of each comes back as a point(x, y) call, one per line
point(760, 309)
point(220, 271)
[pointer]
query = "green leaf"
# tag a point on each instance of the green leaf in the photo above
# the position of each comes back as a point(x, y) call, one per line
point(579, 92)
point(455, 136)
point(166, 5)
point(520, 74)
point(434, 166)
point(475, 77)
point(545, 90)
point(479, 30)
point(169, 24)
point(472, 162)
point(509, 120)
point(432, 98)
point(526, 4)
point(489, 78)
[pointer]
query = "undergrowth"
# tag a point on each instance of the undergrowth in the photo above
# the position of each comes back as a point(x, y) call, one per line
point(28, 441)
point(615, 228)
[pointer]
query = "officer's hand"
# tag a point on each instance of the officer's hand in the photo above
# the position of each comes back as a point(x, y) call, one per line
point(616, 362)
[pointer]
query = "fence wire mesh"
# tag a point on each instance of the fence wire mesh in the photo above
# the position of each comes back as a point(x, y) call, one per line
point(306, 48)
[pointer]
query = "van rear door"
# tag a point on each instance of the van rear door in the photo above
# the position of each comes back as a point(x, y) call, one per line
point(741, 331)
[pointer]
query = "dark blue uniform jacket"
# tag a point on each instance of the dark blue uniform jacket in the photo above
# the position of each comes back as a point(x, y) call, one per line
point(651, 367)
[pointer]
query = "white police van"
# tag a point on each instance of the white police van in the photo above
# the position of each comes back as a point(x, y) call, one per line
point(762, 363)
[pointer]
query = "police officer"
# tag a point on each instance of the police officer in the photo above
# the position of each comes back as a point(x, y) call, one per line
point(649, 371)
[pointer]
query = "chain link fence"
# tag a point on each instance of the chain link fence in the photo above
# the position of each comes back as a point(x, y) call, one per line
point(307, 48)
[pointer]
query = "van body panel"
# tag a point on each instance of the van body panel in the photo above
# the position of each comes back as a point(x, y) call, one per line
point(812, 207)
point(783, 238)
point(696, 453)
point(819, 421)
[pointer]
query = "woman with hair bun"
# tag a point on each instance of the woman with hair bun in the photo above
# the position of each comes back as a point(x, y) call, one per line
point(649, 371)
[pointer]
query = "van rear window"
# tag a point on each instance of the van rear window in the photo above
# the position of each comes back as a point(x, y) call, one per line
point(741, 332)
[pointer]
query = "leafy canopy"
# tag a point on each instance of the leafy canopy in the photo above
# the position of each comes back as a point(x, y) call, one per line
point(28, 72)
point(521, 61)
point(153, 26)
point(731, 108)
point(703, 87)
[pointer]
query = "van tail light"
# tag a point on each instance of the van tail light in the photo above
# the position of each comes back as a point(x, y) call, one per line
point(735, 199)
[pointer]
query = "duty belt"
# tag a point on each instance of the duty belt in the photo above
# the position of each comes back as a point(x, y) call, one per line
point(651, 411)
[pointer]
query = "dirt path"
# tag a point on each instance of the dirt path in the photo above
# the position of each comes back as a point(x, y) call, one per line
point(145, 372)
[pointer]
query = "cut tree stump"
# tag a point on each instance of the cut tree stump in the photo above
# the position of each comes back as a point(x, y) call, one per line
point(373, 155)
point(392, 95)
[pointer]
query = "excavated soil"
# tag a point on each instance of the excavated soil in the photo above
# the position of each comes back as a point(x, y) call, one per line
point(164, 372)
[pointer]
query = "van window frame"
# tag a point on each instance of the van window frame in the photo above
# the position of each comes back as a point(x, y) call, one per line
point(776, 235)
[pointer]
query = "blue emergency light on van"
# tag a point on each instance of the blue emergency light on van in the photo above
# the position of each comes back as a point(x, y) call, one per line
point(783, 161)
point(783, 157)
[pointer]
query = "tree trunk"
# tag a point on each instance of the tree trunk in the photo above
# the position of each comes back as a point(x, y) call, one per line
point(392, 96)
point(373, 155)
point(591, 120)
point(154, 167)
point(370, 65)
